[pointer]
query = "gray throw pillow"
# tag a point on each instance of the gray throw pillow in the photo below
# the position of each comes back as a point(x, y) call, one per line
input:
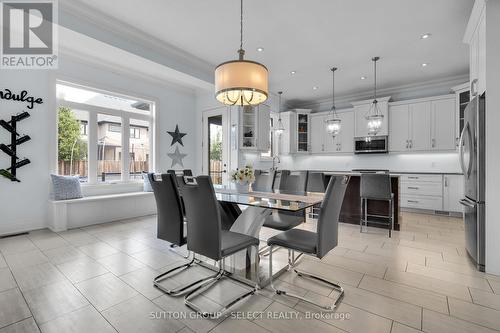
point(66, 187)
point(147, 183)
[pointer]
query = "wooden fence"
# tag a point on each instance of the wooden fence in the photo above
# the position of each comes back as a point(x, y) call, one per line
point(81, 167)
point(216, 168)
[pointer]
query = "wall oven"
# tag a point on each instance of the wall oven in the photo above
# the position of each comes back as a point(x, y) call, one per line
point(371, 144)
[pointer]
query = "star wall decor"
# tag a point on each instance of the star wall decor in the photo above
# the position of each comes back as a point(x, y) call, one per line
point(177, 157)
point(176, 136)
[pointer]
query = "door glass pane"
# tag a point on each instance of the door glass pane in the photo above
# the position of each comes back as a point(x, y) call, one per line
point(109, 148)
point(215, 164)
point(73, 142)
point(139, 148)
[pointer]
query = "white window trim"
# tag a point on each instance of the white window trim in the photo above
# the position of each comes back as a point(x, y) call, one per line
point(125, 115)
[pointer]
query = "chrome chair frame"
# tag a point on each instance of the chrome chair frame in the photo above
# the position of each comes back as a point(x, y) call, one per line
point(211, 281)
point(292, 261)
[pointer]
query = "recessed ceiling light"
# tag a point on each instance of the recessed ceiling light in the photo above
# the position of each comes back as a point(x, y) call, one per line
point(260, 49)
point(425, 64)
point(315, 88)
point(293, 72)
point(425, 36)
point(363, 78)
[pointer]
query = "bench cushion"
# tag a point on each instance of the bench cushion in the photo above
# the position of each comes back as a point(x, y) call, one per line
point(66, 187)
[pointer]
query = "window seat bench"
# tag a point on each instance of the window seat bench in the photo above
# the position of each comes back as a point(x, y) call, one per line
point(75, 213)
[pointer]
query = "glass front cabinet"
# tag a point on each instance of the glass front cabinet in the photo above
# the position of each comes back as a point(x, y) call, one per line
point(254, 127)
point(297, 136)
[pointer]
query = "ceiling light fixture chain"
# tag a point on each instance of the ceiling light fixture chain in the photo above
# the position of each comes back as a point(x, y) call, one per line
point(333, 124)
point(241, 82)
point(374, 117)
point(280, 129)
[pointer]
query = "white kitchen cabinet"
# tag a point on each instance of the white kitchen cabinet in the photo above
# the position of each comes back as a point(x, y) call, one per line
point(443, 124)
point(264, 126)
point(345, 139)
point(297, 136)
point(399, 125)
point(324, 143)
point(410, 127)
point(422, 191)
point(453, 192)
point(475, 36)
point(318, 131)
point(426, 124)
point(420, 123)
point(254, 128)
point(462, 98)
point(361, 109)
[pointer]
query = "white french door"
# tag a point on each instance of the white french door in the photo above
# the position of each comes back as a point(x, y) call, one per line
point(216, 144)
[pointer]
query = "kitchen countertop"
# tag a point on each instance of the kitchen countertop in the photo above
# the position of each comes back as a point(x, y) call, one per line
point(392, 173)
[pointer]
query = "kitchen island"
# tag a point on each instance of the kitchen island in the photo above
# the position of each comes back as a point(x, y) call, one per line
point(351, 208)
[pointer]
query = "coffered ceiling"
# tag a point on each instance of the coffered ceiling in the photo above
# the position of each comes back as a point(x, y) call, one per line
point(310, 36)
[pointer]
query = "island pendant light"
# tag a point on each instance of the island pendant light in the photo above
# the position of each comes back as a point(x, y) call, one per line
point(333, 124)
point(374, 117)
point(280, 129)
point(241, 82)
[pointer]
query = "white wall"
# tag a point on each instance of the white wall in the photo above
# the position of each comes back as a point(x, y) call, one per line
point(24, 205)
point(492, 137)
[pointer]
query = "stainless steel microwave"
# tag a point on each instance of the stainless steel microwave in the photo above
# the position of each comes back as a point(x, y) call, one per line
point(371, 144)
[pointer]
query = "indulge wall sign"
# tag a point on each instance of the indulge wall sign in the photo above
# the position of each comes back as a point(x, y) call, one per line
point(16, 139)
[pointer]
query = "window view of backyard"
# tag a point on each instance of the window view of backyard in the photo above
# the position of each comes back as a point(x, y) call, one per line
point(74, 128)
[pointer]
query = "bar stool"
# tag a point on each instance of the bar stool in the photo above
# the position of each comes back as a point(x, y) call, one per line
point(206, 238)
point(376, 186)
point(317, 243)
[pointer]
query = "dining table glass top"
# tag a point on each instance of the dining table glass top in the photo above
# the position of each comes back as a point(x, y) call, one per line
point(279, 200)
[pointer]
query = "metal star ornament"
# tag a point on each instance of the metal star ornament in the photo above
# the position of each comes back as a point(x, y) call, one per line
point(177, 157)
point(176, 136)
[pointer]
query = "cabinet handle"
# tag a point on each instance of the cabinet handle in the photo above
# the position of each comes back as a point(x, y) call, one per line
point(445, 181)
point(413, 201)
point(411, 144)
point(433, 143)
point(407, 144)
point(412, 188)
point(412, 177)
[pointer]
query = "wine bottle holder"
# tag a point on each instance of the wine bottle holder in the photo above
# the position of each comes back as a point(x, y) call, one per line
point(11, 149)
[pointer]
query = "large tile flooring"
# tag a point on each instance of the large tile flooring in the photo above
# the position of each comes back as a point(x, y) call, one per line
point(99, 279)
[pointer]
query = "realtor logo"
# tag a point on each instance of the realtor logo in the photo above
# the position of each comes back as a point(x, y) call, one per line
point(29, 34)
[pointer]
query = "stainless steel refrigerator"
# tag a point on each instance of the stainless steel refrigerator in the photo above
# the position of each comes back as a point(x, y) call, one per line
point(472, 161)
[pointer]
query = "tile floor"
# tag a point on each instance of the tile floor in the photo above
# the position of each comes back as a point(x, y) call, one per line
point(99, 279)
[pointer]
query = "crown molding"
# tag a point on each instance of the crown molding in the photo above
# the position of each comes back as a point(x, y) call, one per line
point(163, 52)
point(402, 92)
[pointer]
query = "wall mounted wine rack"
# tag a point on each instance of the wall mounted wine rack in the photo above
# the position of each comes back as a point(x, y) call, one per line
point(11, 149)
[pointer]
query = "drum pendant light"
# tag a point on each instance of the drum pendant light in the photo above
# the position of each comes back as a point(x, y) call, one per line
point(374, 117)
point(333, 123)
point(241, 82)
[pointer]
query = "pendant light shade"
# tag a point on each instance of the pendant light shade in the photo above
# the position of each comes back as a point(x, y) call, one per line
point(374, 117)
point(333, 123)
point(241, 82)
point(280, 129)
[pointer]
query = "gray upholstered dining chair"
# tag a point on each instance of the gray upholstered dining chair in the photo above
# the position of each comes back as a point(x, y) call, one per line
point(264, 180)
point(290, 181)
point(376, 186)
point(207, 238)
point(170, 227)
point(315, 183)
point(317, 243)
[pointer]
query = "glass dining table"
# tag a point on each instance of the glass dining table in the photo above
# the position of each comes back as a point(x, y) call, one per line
point(255, 207)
